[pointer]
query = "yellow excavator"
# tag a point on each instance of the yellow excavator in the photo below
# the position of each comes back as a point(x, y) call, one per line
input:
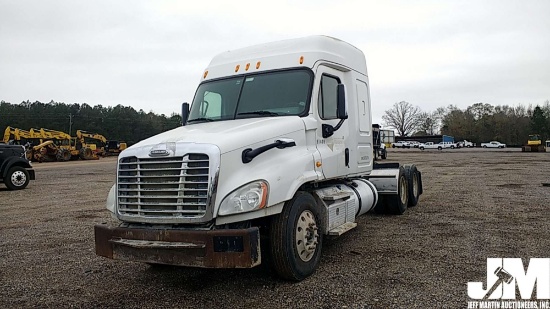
point(65, 144)
point(22, 137)
point(534, 144)
point(90, 144)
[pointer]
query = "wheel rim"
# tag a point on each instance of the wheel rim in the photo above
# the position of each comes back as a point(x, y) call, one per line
point(18, 178)
point(403, 190)
point(307, 236)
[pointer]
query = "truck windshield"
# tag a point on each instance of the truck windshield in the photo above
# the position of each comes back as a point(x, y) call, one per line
point(269, 94)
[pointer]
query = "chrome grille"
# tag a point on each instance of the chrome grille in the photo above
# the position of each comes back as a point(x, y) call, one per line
point(163, 189)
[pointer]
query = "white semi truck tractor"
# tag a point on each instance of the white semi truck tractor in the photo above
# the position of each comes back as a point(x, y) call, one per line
point(274, 155)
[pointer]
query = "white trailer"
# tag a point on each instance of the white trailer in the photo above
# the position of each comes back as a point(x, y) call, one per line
point(277, 143)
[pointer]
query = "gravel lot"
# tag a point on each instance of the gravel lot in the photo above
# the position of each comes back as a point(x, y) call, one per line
point(476, 204)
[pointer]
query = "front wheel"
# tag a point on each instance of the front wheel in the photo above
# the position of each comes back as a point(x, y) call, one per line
point(17, 178)
point(296, 238)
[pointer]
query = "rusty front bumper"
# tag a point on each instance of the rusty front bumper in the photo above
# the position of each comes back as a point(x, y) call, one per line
point(230, 248)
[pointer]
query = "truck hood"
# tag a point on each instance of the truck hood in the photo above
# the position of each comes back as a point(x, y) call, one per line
point(228, 135)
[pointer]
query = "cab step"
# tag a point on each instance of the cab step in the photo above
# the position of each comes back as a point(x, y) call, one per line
point(341, 229)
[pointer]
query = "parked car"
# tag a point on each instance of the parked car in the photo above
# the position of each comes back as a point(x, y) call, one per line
point(414, 144)
point(431, 145)
point(401, 144)
point(451, 145)
point(493, 144)
point(465, 143)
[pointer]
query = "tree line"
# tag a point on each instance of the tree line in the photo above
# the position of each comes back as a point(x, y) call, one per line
point(121, 123)
point(480, 122)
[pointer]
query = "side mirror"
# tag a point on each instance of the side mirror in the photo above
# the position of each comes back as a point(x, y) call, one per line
point(341, 112)
point(184, 113)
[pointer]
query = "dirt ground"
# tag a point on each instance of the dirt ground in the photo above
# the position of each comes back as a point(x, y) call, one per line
point(476, 204)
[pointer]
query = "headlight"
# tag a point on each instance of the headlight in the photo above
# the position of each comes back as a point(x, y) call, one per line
point(111, 199)
point(249, 197)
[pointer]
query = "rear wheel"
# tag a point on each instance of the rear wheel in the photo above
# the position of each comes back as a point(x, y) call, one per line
point(414, 186)
point(397, 204)
point(63, 155)
point(296, 238)
point(17, 178)
point(439, 148)
point(85, 153)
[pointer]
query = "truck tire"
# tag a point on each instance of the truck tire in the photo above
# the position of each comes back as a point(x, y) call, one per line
point(85, 153)
point(63, 155)
point(421, 148)
point(414, 185)
point(17, 178)
point(380, 207)
point(397, 204)
point(484, 146)
point(439, 148)
point(296, 238)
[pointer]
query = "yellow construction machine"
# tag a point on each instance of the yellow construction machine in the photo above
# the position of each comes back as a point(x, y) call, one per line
point(534, 144)
point(68, 147)
point(19, 136)
point(65, 144)
point(114, 148)
point(45, 152)
point(22, 137)
point(91, 142)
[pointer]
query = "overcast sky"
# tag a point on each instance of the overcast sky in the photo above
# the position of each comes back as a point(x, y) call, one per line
point(151, 54)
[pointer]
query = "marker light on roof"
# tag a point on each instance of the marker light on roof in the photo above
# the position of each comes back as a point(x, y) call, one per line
point(247, 66)
point(301, 59)
point(205, 73)
point(237, 67)
point(258, 65)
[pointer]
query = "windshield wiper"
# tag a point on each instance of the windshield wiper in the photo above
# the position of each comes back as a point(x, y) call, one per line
point(200, 119)
point(266, 113)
